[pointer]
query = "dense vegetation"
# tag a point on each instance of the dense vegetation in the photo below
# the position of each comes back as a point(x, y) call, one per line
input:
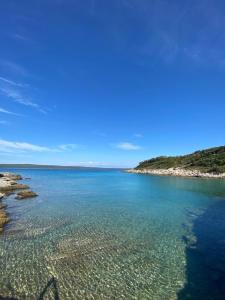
point(210, 160)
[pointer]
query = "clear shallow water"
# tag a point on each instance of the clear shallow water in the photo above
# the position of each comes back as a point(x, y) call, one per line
point(113, 235)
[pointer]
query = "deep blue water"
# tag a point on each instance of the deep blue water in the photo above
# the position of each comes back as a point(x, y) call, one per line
point(106, 234)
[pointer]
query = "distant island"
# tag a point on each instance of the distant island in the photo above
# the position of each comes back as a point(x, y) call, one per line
point(53, 167)
point(204, 163)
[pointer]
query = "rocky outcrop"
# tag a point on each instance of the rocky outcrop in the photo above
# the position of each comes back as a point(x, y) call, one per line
point(11, 176)
point(12, 187)
point(26, 194)
point(8, 184)
point(176, 172)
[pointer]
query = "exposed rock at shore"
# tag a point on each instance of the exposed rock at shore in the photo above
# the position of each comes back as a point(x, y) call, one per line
point(26, 194)
point(176, 172)
point(204, 163)
point(12, 187)
point(11, 176)
point(8, 184)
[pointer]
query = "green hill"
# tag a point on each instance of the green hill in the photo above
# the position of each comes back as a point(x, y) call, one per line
point(209, 160)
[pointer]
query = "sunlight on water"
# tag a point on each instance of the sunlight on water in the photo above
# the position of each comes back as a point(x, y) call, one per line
point(103, 235)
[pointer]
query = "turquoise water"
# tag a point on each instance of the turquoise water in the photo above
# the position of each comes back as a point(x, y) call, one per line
point(106, 234)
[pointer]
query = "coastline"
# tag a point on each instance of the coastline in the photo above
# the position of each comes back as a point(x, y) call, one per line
point(178, 172)
point(8, 186)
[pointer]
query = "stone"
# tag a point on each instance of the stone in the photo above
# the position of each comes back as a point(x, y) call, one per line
point(26, 194)
point(9, 185)
point(176, 172)
point(11, 176)
point(13, 186)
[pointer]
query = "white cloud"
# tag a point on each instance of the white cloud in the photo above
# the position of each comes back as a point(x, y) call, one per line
point(11, 82)
point(68, 146)
point(4, 111)
point(17, 95)
point(18, 147)
point(97, 164)
point(16, 91)
point(13, 68)
point(20, 37)
point(9, 146)
point(100, 133)
point(128, 146)
point(138, 135)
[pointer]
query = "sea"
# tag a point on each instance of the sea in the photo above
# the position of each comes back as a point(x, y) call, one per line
point(107, 234)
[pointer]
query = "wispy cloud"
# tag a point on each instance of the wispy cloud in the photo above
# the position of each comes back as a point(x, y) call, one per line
point(138, 135)
point(4, 111)
point(99, 133)
point(18, 147)
point(21, 37)
point(68, 146)
point(11, 82)
point(13, 68)
point(127, 146)
point(98, 164)
point(17, 92)
point(9, 146)
point(184, 31)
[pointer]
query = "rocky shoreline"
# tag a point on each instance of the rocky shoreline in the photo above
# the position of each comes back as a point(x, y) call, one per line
point(9, 185)
point(176, 172)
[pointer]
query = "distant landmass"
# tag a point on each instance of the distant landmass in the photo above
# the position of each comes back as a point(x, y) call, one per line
point(210, 160)
point(35, 166)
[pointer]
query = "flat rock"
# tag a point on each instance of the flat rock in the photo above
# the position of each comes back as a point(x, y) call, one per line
point(9, 185)
point(26, 194)
point(12, 186)
point(176, 172)
point(11, 176)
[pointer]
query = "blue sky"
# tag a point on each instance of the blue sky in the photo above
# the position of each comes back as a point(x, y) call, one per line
point(110, 83)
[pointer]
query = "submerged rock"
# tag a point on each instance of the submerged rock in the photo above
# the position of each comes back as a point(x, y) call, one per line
point(2, 206)
point(26, 194)
point(4, 219)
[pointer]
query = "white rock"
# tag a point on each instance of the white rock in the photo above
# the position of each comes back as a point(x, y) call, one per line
point(177, 172)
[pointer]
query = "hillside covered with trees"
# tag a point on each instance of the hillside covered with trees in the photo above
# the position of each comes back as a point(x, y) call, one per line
point(210, 160)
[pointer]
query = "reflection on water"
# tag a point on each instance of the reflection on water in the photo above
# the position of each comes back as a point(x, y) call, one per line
point(112, 235)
